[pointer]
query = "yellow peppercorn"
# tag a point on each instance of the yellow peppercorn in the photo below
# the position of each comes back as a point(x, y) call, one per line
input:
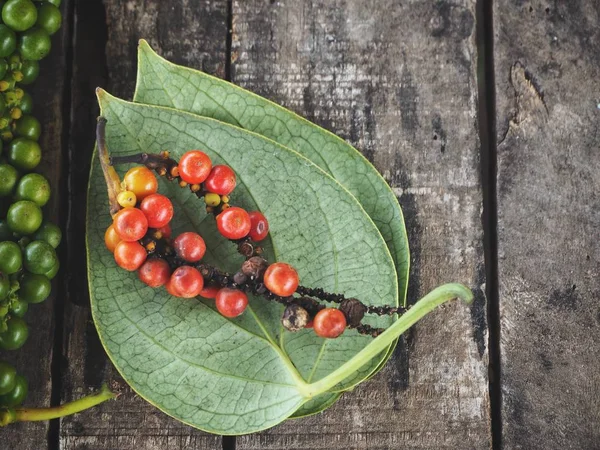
point(225, 198)
point(17, 75)
point(19, 93)
point(10, 97)
point(209, 209)
point(126, 198)
point(16, 113)
point(212, 199)
point(4, 85)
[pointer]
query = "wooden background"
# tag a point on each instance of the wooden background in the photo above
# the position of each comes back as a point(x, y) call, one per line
point(489, 137)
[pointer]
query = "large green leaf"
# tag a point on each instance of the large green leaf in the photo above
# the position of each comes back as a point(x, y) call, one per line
point(316, 225)
point(246, 374)
point(162, 83)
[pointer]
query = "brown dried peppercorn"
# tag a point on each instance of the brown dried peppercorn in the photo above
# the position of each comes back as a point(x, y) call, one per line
point(240, 278)
point(295, 317)
point(354, 311)
point(255, 267)
point(246, 248)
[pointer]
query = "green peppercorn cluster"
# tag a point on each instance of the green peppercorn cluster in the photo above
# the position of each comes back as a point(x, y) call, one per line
point(28, 259)
point(13, 387)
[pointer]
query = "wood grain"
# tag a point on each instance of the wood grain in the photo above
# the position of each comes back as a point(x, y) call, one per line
point(547, 61)
point(105, 52)
point(399, 83)
point(34, 359)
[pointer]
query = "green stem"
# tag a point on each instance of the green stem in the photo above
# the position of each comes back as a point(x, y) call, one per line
point(37, 414)
point(424, 306)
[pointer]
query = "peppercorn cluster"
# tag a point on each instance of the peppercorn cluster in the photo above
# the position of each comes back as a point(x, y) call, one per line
point(140, 239)
point(28, 259)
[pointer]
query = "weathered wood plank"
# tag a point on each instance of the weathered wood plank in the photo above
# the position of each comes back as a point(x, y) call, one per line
point(187, 32)
point(35, 358)
point(547, 75)
point(399, 83)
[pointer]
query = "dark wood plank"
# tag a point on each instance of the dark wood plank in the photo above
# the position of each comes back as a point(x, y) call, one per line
point(191, 34)
point(35, 358)
point(547, 75)
point(398, 81)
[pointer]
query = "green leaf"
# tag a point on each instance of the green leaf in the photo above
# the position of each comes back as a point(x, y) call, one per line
point(242, 375)
point(316, 225)
point(162, 83)
point(316, 405)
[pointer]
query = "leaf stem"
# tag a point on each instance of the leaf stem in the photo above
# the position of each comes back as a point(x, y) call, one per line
point(113, 182)
point(424, 306)
point(8, 416)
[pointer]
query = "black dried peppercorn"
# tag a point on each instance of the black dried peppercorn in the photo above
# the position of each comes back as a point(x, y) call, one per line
point(246, 248)
point(240, 278)
point(295, 317)
point(354, 311)
point(255, 267)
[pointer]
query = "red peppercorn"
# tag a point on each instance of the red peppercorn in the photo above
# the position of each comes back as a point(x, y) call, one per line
point(130, 255)
point(221, 180)
point(141, 181)
point(210, 291)
point(281, 279)
point(154, 272)
point(190, 246)
point(259, 226)
point(130, 224)
point(234, 223)
point(186, 281)
point(231, 302)
point(329, 323)
point(171, 291)
point(194, 167)
point(111, 238)
point(158, 209)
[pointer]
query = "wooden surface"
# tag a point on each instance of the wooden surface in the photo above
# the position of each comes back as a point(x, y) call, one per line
point(548, 72)
point(389, 82)
point(34, 359)
point(400, 83)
